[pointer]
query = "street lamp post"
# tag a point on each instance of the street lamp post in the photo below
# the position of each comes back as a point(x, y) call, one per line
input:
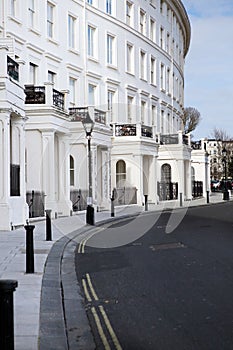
point(88, 125)
point(225, 191)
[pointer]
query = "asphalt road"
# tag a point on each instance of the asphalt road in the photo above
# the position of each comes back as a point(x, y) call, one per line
point(170, 288)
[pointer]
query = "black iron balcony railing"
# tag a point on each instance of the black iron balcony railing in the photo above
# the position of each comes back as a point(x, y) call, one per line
point(12, 68)
point(34, 94)
point(100, 116)
point(125, 130)
point(38, 95)
point(78, 114)
point(146, 131)
point(169, 139)
point(58, 99)
point(196, 145)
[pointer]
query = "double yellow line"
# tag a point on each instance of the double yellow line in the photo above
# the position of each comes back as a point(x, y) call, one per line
point(100, 315)
point(82, 244)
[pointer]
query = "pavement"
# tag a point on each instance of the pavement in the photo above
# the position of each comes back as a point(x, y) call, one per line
point(48, 304)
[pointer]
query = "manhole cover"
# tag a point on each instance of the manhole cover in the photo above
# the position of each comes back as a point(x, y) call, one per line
point(163, 246)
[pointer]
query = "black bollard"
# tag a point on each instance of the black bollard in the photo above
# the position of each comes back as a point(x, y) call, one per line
point(207, 196)
point(112, 203)
point(7, 287)
point(29, 248)
point(90, 216)
point(181, 199)
point(146, 202)
point(48, 225)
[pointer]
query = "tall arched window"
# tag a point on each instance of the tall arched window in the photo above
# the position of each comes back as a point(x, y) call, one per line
point(120, 173)
point(166, 174)
point(71, 171)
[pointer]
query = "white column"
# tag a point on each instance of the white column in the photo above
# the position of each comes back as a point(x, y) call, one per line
point(94, 172)
point(137, 177)
point(181, 178)
point(64, 203)
point(105, 175)
point(153, 178)
point(187, 178)
point(48, 170)
point(4, 157)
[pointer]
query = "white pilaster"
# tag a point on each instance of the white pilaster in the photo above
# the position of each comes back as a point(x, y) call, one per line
point(48, 170)
point(64, 203)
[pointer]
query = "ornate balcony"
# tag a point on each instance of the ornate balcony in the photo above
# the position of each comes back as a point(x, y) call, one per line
point(12, 68)
point(34, 94)
point(78, 114)
point(125, 130)
point(174, 139)
point(133, 130)
point(38, 95)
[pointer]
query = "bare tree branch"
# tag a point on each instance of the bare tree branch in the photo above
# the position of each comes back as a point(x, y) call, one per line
point(190, 119)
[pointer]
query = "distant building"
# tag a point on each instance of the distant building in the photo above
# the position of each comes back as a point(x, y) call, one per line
point(121, 62)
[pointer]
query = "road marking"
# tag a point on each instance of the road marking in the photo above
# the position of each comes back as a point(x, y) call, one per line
point(110, 329)
point(90, 292)
point(100, 329)
point(91, 287)
point(86, 290)
point(82, 244)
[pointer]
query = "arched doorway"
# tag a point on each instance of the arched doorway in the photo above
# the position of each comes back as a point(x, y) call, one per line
point(167, 189)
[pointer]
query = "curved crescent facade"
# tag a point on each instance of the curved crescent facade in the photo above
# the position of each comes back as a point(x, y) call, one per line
point(121, 62)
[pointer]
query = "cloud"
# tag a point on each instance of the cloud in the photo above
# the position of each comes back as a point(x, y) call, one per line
point(204, 8)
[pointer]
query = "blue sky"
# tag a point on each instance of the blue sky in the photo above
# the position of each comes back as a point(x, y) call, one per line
point(209, 65)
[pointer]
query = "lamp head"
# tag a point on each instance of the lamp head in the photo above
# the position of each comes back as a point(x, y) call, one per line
point(88, 125)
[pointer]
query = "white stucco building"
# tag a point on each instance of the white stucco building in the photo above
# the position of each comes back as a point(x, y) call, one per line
point(122, 62)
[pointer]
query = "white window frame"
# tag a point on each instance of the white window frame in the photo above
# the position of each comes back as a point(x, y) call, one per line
point(72, 90)
point(143, 65)
point(153, 70)
point(142, 22)
point(143, 111)
point(109, 8)
point(52, 77)
point(162, 77)
point(13, 8)
point(129, 58)
point(91, 40)
point(33, 68)
point(130, 103)
point(31, 13)
point(72, 31)
point(129, 13)
point(110, 101)
point(50, 20)
point(111, 49)
point(92, 94)
point(152, 30)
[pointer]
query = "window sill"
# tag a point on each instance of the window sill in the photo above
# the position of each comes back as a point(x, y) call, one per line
point(16, 20)
point(35, 31)
point(111, 66)
point(93, 59)
point(53, 41)
point(130, 73)
point(74, 51)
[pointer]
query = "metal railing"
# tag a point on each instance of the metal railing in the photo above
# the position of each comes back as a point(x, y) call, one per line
point(146, 131)
point(34, 94)
point(78, 114)
point(12, 68)
point(169, 139)
point(58, 99)
point(125, 130)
